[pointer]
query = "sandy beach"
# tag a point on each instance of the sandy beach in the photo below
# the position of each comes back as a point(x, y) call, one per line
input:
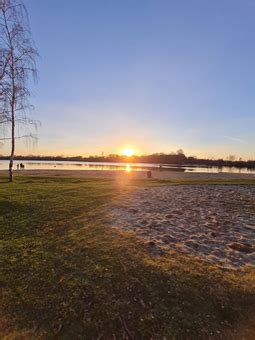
point(116, 174)
point(213, 222)
point(79, 243)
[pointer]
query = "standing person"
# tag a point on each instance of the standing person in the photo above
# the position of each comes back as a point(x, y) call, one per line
point(18, 166)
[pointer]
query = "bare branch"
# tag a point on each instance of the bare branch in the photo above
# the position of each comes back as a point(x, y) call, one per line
point(19, 137)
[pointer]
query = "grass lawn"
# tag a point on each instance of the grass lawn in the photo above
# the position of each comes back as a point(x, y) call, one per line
point(66, 274)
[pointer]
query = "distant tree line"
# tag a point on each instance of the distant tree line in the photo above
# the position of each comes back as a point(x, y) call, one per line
point(178, 158)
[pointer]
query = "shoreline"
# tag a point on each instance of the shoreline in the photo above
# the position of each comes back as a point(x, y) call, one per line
point(115, 174)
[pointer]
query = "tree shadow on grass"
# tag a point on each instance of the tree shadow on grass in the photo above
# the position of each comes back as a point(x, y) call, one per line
point(99, 283)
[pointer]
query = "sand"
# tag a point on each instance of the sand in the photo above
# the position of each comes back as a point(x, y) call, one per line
point(116, 174)
point(212, 222)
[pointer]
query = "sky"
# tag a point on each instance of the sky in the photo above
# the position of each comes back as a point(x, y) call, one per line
point(152, 75)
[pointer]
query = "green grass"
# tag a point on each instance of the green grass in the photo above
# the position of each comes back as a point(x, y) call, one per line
point(65, 273)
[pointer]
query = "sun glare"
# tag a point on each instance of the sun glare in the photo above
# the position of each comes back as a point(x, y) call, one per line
point(128, 152)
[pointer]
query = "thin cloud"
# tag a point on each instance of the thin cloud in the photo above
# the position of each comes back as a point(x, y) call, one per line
point(235, 139)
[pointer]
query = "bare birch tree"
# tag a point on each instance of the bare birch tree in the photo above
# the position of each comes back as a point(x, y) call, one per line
point(3, 66)
point(17, 66)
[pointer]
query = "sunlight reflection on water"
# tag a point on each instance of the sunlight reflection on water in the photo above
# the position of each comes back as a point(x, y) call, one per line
point(127, 167)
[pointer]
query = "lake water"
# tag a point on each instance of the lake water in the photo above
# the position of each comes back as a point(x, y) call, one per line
point(65, 165)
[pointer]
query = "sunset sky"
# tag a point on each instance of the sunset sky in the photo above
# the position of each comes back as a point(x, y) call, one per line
point(153, 75)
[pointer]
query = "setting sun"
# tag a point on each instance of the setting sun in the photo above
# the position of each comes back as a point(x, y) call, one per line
point(128, 152)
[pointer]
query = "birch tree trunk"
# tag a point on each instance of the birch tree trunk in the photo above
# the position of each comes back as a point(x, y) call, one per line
point(12, 145)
